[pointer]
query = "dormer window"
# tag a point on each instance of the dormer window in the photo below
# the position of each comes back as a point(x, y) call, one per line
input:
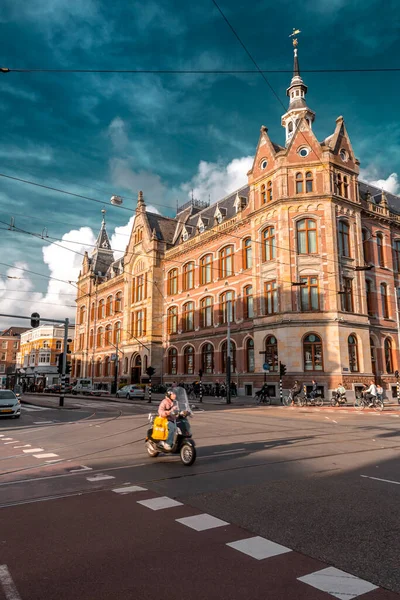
point(290, 127)
point(185, 235)
point(218, 216)
point(201, 226)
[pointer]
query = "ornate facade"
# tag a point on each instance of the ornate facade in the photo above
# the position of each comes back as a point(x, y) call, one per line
point(304, 263)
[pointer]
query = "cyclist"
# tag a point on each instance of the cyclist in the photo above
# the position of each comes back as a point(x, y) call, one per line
point(371, 393)
point(295, 391)
point(314, 391)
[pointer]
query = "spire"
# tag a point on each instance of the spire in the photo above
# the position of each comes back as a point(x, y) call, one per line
point(296, 92)
point(141, 205)
point(102, 255)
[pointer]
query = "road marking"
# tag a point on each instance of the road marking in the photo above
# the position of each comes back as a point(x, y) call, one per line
point(160, 503)
point(99, 477)
point(384, 480)
point(129, 489)
point(81, 469)
point(2, 435)
point(13, 442)
point(42, 422)
point(24, 446)
point(259, 547)
point(45, 455)
point(338, 583)
point(32, 408)
point(31, 450)
point(202, 522)
point(7, 584)
point(3, 440)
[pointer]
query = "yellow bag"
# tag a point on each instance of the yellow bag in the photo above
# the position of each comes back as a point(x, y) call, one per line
point(160, 428)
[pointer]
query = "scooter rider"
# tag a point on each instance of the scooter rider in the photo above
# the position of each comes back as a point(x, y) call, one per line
point(165, 410)
point(340, 391)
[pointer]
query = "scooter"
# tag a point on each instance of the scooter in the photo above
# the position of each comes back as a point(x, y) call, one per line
point(338, 399)
point(183, 443)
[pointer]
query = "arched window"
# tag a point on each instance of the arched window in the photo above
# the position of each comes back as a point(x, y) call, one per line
point(206, 269)
point(227, 307)
point(188, 316)
point(307, 236)
point(207, 359)
point(271, 353)
point(226, 261)
point(396, 257)
point(188, 360)
point(108, 335)
point(353, 353)
point(92, 311)
point(248, 302)
point(345, 186)
point(263, 194)
point(250, 366)
point(98, 368)
point(173, 281)
point(299, 183)
point(172, 319)
point(384, 301)
point(269, 244)
point(172, 361)
point(206, 312)
point(269, 191)
point(82, 314)
point(290, 125)
point(117, 332)
point(247, 254)
point(188, 276)
point(368, 290)
point(109, 306)
point(100, 337)
point(381, 255)
point(118, 302)
point(366, 247)
point(373, 356)
point(339, 184)
point(309, 296)
point(91, 338)
point(312, 353)
point(344, 238)
point(102, 309)
point(309, 182)
point(271, 297)
point(107, 367)
point(224, 348)
point(126, 365)
point(388, 356)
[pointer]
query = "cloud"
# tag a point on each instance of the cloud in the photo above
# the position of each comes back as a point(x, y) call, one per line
point(19, 92)
point(117, 133)
point(391, 184)
point(124, 177)
point(42, 154)
point(216, 180)
point(120, 238)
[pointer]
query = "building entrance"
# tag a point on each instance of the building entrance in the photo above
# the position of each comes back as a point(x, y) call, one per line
point(136, 369)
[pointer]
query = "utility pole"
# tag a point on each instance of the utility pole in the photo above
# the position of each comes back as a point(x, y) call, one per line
point(228, 355)
point(64, 363)
point(116, 367)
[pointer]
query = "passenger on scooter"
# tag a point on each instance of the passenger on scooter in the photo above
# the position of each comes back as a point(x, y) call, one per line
point(166, 410)
point(340, 391)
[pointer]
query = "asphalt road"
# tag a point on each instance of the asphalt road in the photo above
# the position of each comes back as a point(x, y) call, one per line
point(324, 484)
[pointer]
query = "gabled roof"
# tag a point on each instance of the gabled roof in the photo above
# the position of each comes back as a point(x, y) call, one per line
point(163, 226)
point(376, 193)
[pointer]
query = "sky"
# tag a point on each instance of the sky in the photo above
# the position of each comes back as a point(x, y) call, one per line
point(99, 134)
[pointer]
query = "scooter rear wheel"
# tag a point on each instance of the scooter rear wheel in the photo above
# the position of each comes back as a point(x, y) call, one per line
point(151, 450)
point(188, 454)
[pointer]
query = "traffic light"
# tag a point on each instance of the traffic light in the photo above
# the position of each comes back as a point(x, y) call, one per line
point(59, 363)
point(35, 320)
point(396, 374)
point(68, 368)
point(68, 348)
point(150, 371)
point(282, 370)
point(200, 373)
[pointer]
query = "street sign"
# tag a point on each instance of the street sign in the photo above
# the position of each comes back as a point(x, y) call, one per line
point(266, 367)
point(113, 357)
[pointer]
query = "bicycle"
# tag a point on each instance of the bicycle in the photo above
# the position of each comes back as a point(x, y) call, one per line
point(299, 400)
point(360, 403)
point(261, 398)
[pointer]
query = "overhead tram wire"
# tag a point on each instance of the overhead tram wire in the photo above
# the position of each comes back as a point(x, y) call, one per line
point(5, 70)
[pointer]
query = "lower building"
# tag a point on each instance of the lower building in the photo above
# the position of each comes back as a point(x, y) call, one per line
point(9, 348)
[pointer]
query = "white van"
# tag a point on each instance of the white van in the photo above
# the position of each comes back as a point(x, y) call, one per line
point(85, 387)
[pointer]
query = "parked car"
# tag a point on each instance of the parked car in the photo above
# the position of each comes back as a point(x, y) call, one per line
point(130, 392)
point(52, 389)
point(10, 405)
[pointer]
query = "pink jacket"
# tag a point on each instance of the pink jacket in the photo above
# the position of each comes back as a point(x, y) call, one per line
point(165, 406)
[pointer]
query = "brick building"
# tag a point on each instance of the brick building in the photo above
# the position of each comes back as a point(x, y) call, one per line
point(304, 261)
point(9, 347)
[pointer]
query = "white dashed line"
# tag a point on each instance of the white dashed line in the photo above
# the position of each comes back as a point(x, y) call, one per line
point(7, 584)
point(202, 522)
point(160, 503)
point(45, 455)
point(259, 548)
point(31, 450)
point(338, 583)
point(24, 446)
point(384, 480)
point(99, 477)
point(129, 489)
point(13, 442)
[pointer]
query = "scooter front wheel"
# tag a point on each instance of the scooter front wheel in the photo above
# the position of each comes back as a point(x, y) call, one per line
point(151, 449)
point(188, 454)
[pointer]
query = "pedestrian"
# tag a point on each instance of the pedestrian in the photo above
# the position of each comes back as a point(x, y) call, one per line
point(217, 388)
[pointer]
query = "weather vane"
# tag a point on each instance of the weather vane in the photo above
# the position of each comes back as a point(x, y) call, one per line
point(293, 35)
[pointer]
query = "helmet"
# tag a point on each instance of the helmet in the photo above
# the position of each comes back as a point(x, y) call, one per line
point(169, 392)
